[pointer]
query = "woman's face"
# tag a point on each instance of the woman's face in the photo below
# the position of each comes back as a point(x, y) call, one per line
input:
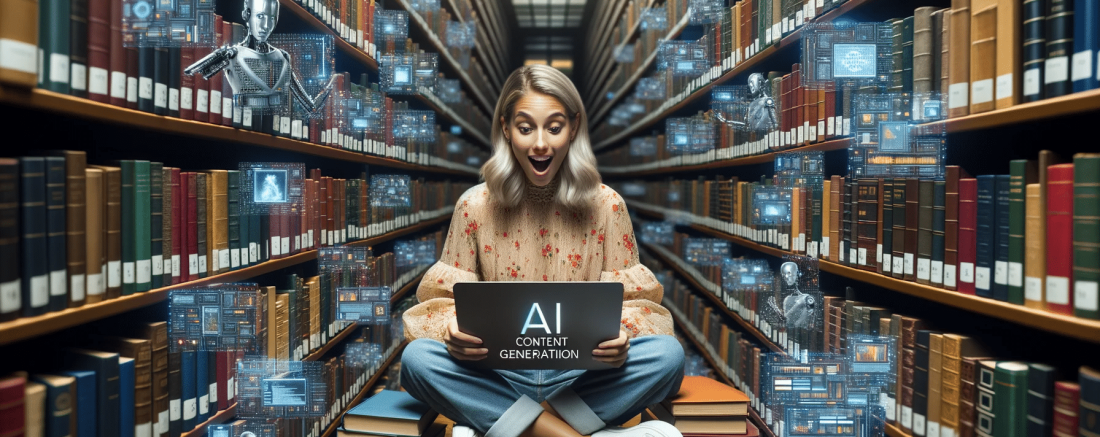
point(540, 134)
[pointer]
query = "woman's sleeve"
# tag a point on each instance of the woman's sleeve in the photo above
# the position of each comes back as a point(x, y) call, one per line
point(642, 311)
point(457, 263)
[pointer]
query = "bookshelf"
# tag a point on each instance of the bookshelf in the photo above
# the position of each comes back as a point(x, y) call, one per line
point(217, 419)
point(29, 327)
point(825, 146)
point(449, 114)
point(342, 45)
point(343, 334)
point(1075, 327)
point(331, 430)
point(605, 58)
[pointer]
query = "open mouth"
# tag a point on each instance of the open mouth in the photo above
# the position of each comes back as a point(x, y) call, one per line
point(541, 163)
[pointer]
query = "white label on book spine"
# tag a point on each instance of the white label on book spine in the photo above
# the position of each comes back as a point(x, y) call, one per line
point(966, 272)
point(908, 264)
point(246, 117)
point(1033, 288)
point(187, 98)
point(825, 246)
point(215, 102)
point(1004, 87)
point(95, 284)
point(145, 88)
point(1057, 69)
point(143, 430)
point(167, 268)
point(158, 265)
point(937, 272)
point(10, 300)
point(160, 95)
point(958, 96)
point(190, 408)
point(114, 274)
point(982, 90)
point(131, 89)
point(284, 125)
point(918, 424)
point(174, 409)
point(924, 269)
point(174, 99)
point(18, 56)
point(982, 278)
point(118, 85)
point(40, 290)
point(128, 272)
point(1058, 290)
point(1000, 272)
point(212, 393)
point(907, 417)
point(946, 432)
point(275, 246)
point(933, 429)
point(98, 80)
point(58, 285)
point(286, 245)
point(223, 259)
point(59, 68)
point(1082, 65)
point(202, 100)
point(1032, 85)
point(227, 107)
point(204, 404)
point(162, 421)
point(862, 257)
point(79, 76)
point(253, 252)
point(235, 258)
point(230, 389)
point(887, 263)
point(202, 263)
point(1016, 274)
point(1085, 295)
point(192, 263)
point(144, 271)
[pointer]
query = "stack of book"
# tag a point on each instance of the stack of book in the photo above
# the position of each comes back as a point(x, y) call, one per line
point(705, 407)
point(391, 413)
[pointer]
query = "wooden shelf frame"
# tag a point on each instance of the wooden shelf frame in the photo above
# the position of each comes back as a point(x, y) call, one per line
point(605, 57)
point(29, 327)
point(1066, 325)
point(472, 88)
point(331, 430)
point(217, 419)
point(824, 146)
point(50, 101)
point(341, 44)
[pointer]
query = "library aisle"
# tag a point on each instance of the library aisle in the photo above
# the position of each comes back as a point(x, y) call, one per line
point(859, 218)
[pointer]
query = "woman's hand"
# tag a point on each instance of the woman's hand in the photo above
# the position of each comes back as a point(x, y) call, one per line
point(463, 346)
point(613, 352)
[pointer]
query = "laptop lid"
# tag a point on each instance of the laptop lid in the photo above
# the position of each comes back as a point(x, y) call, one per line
point(540, 325)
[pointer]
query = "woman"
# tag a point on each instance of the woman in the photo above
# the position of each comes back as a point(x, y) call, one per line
point(541, 215)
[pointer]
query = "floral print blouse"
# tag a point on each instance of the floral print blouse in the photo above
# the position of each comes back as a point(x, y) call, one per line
point(539, 241)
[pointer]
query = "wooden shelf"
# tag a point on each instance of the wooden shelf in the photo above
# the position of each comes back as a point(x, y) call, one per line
point(895, 431)
point(1069, 326)
point(825, 146)
point(222, 417)
point(745, 325)
point(331, 430)
point(1075, 103)
point(30, 327)
point(445, 55)
point(754, 416)
point(355, 52)
point(50, 101)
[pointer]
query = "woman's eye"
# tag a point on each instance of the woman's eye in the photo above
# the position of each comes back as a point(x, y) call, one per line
point(524, 130)
point(555, 130)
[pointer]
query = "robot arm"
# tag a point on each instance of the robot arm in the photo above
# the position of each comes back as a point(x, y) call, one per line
point(211, 64)
point(311, 103)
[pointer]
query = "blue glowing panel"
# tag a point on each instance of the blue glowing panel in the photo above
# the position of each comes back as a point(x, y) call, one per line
point(854, 61)
point(893, 136)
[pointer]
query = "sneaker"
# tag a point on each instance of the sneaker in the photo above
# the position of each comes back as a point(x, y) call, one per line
point(463, 431)
point(652, 428)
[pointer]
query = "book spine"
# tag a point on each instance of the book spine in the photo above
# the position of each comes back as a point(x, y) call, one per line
point(1034, 49)
point(142, 233)
point(1086, 41)
point(56, 227)
point(935, 385)
point(201, 241)
point(925, 208)
point(1000, 240)
point(1059, 27)
point(113, 183)
point(939, 212)
point(1035, 262)
point(1059, 238)
point(146, 72)
point(1010, 391)
point(923, 50)
point(234, 220)
point(76, 205)
point(967, 396)
point(11, 299)
point(35, 273)
point(99, 50)
point(1009, 46)
point(85, 421)
point(1021, 173)
point(1089, 411)
point(968, 225)
point(95, 229)
point(78, 48)
point(214, 84)
point(987, 401)
point(169, 191)
point(188, 394)
point(920, 383)
point(1086, 236)
point(898, 257)
point(53, 45)
point(175, 394)
point(952, 230)
point(887, 225)
point(983, 55)
point(118, 59)
point(129, 227)
point(1040, 398)
point(912, 227)
point(156, 225)
point(958, 102)
point(867, 223)
point(126, 393)
point(986, 233)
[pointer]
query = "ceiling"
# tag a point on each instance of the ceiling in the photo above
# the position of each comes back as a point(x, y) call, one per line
point(545, 26)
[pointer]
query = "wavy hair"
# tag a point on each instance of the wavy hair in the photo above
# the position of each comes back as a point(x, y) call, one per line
point(578, 175)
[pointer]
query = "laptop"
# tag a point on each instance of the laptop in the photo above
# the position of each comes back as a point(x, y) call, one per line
point(540, 325)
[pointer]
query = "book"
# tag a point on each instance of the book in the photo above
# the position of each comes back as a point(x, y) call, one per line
point(1010, 390)
point(898, 206)
point(1067, 397)
point(1009, 46)
point(19, 30)
point(1035, 262)
point(175, 394)
point(95, 229)
point(141, 404)
point(1040, 399)
point(13, 389)
point(983, 54)
point(156, 224)
point(925, 209)
point(935, 385)
point(84, 402)
point(920, 382)
point(56, 228)
point(34, 267)
point(105, 366)
point(1059, 41)
point(389, 412)
point(78, 48)
point(434, 430)
point(99, 49)
point(1034, 49)
point(1089, 412)
point(1086, 41)
point(939, 218)
point(1021, 173)
point(11, 299)
point(701, 396)
point(1000, 241)
point(126, 393)
point(112, 177)
point(61, 415)
point(188, 393)
point(712, 425)
point(958, 100)
point(923, 56)
point(986, 246)
point(75, 234)
point(34, 406)
point(1059, 238)
point(1086, 235)
point(968, 225)
point(129, 226)
point(53, 41)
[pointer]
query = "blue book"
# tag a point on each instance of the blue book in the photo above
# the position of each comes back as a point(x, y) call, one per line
point(85, 402)
point(187, 390)
point(127, 387)
point(1002, 187)
point(390, 412)
point(202, 385)
point(987, 215)
point(60, 419)
point(106, 393)
point(1086, 41)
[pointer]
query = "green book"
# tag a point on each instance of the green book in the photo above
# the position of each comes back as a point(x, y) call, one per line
point(156, 223)
point(1086, 235)
point(53, 43)
point(1021, 172)
point(129, 227)
point(143, 257)
point(234, 225)
point(1010, 399)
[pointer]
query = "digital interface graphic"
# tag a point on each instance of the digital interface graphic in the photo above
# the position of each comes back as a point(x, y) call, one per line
point(220, 317)
point(271, 187)
point(280, 388)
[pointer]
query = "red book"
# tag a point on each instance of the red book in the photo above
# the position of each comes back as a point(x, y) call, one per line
point(227, 92)
point(315, 224)
point(222, 364)
point(968, 234)
point(118, 55)
point(214, 85)
point(322, 211)
point(951, 228)
point(12, 414)
point(177, 227)
point(187, 84)
point(202, 88)
point(192, 231)
point(131, 77)
point(99, 50)
point(1059, 238)
point(1067, 396)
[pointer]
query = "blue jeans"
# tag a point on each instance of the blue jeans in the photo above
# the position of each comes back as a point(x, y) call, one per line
point(503, 403)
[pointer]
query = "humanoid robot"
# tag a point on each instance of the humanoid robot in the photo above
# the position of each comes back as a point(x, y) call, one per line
point(798, 307)
point(259, 73)
point(760, 115)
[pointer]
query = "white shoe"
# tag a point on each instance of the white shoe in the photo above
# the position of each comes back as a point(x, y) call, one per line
point(463, 431)
point(652, 428)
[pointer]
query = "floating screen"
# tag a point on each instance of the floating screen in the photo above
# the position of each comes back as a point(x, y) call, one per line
point(180, 23)
point(390, 191)
point(746, 108)
point(363, 305)
point(771, 206)
point(461, 35)
point(391, 29)
point(895, 135)
point(624, 54)
point(643, 146)
point(706, 11)
point(414, 125)
point(650, 88)
point(689, 135)
point(271, 187)
point(225, 317)
point(659, 233)
point(706, 251)
point(683, 58)
point(654, 19)
point(746, 274)
point(280, 389)
point(249, 428)
point(820, 382)
point(836, 54)
point(799, 168)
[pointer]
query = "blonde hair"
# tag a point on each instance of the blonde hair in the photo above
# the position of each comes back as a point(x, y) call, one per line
point(578, 174)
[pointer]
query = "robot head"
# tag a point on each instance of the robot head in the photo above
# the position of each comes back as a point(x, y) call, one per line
point(261, 17)
point(789, 272)
point(756, 83)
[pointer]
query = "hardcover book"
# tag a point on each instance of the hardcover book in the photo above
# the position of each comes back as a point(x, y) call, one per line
point(389, 412)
